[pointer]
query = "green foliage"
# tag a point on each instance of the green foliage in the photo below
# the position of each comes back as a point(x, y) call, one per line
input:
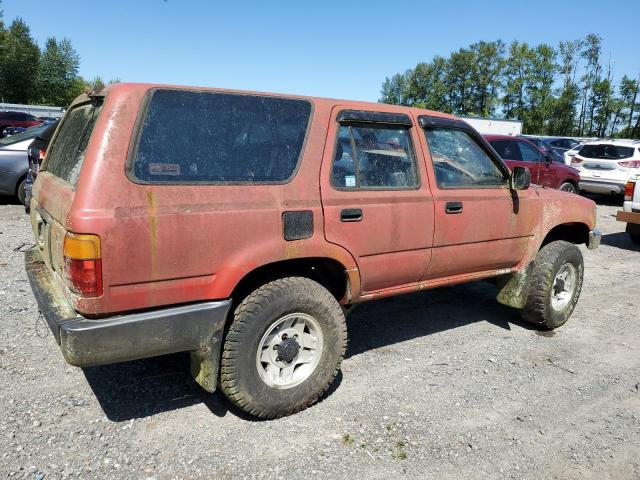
point(58, 73)
point(554, 91)
point(18, 63)
point(29, 75)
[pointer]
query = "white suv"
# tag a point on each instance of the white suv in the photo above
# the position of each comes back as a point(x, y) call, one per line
point(605, 166)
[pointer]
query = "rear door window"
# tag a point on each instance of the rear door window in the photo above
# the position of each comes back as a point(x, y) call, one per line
point(374, 156)
point(507, 149)
point(606, 152)
point(210, 137)
point(67, 152)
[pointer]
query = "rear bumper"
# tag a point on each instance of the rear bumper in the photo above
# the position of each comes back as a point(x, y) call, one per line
point(602, 186)
point(628, 217)
point(87, 342)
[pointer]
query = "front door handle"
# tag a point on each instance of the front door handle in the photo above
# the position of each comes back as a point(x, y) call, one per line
point(453, 207)
point(351, 215)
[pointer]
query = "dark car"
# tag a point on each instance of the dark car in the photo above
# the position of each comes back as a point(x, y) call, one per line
point(13, 162)
point(35, 155)
point(17, 119)
point(562, 143)
point(557, 154)
point(520, 152)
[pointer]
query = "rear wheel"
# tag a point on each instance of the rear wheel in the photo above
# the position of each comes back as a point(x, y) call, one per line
point(569, 187)
point(284, 348)
point(554, 285)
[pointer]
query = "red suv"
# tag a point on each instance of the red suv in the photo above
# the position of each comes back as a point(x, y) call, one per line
point(243, 234)
point(518, 152)
point(17, 119)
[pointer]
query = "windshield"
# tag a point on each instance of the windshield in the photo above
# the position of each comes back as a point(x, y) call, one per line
point(611, 152)
point(31, 132)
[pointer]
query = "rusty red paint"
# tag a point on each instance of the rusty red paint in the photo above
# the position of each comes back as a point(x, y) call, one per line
point(172, 244)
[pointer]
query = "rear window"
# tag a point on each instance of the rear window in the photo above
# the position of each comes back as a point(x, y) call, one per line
point(611, 152)
point(66, 154)
point(209, 137)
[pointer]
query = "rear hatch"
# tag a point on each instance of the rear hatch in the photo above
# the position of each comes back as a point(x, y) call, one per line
point(604, 161)
point(55, 189)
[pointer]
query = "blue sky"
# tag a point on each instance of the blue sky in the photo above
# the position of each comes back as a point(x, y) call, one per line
point(325, 48)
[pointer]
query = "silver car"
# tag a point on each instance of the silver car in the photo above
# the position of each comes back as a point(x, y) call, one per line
point(14, 164)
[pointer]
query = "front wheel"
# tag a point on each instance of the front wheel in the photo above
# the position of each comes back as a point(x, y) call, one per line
point(554, 286)
point(284, 348)
point(21, 194)
point(569, 187)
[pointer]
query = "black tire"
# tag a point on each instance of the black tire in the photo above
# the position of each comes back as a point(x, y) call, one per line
point(239, 377)
point(549, 261)
point(633, 229)
point(20, 193)
point(569, 187)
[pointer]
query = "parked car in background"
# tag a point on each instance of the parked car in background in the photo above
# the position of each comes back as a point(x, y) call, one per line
point(14, 164)
point(17, 119)
point(520, 152)
point(35, 156)
point(606, 166)
point(569, 154)
point(562, 143)
point(557, 154)
point(8, 131)
point(630, 212)
point(240, 236)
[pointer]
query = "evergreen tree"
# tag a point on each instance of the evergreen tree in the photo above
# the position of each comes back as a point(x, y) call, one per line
point(18, 63)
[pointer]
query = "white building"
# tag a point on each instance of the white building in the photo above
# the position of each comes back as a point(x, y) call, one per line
point(495, 126)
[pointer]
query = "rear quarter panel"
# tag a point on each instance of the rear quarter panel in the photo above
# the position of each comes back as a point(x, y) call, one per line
point(168, 244)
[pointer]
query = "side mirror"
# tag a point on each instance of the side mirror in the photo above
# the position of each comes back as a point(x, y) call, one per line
point(520, 178)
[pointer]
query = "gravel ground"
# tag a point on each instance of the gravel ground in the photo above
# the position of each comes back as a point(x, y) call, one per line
point(442, 384)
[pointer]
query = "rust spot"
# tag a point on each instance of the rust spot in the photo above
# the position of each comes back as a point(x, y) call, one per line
point(153, 230)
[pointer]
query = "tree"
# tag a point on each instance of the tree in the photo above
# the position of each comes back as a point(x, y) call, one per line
point(425, 87)
point(18, 63)
point(629, 89)
point(564, 106)
point(58, 71)
point(394, 89)
point(591, 55)
point(486, 77)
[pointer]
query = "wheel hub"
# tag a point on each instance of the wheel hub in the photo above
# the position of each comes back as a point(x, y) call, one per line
point(288, 349)
point(564, 286)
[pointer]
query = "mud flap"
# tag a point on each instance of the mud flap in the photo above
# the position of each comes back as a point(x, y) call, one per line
point(513, 289)
point(205, 364)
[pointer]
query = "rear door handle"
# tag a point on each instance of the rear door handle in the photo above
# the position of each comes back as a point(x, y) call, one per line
point(453, 207)
point(351, 215)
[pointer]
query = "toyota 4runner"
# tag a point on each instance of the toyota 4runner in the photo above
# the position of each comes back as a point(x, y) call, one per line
point(239, 227)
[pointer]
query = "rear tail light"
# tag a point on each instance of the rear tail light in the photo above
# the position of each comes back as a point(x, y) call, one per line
point(630, 164)
point(575, 160)
point(83, 264)
point(628, 190)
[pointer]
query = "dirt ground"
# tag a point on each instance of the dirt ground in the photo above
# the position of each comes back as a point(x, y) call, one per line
point(441, 384)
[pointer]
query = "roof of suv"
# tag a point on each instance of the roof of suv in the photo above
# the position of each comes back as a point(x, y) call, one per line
point(130, 87)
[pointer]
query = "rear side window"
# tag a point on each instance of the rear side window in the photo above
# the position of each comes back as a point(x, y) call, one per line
point(209, 137)
point(66, 154)
point(611, 152)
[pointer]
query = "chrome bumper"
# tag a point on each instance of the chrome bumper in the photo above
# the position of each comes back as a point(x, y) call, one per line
point(595, 236)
